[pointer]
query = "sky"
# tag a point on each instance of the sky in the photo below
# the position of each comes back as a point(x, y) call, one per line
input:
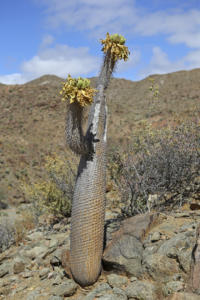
point(61, 37)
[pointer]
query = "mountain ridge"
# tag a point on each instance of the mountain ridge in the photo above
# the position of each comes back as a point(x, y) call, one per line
point(33, 119)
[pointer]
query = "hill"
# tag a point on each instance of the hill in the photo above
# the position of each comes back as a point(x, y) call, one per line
point(33, 119)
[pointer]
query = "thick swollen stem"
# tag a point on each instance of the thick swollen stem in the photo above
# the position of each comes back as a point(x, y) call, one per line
point(88, 208)
point(74, 132)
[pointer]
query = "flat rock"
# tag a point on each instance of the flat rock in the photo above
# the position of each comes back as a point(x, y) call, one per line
point(141, 290)
point(183, 296)
point(124, 252)
point(115, 280)
point(100, 290)
point(68, 288)
point(44, 273)
point(173, 286)
point(160, 267)
point(5, 269)
point(125, 255)
point(180, 246)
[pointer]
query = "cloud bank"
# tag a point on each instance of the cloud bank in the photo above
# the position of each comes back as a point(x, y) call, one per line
point(177, 26)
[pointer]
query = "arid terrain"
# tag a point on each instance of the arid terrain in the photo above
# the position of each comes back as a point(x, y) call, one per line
point(151, 256)
point(32, 118)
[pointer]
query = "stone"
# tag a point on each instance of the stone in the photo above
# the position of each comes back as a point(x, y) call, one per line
point(37, 252)
point(33, 295)
point(155, 236)
point(27, 274)
point(56, 298)
point(180, 247)
point(124, 252)
point(68, 288)
point(41, 251)
point(18, 267)
point(44, 273)
point(19, 264)
point(125, 255)
point(34, 236)
point(52, 275)
point(115, 280)
point(195, 266)
point(183, 296)
point(117, 292)
point(108, 297)
point(173, 286)
point(137, 226)
point(160, 267)
point(141, 290)
point(132, 278)
point(57, 280)
point(4, 269)
point(102, 289)
point(55, 261)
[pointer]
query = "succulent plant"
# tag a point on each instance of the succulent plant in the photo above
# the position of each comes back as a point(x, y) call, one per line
point(115, 43)
point(77, 90)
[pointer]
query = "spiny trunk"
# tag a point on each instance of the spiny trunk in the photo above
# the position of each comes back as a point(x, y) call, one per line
point(88, 208)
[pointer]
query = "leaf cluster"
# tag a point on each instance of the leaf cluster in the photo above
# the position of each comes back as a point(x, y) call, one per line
point(78, 90)
point(115, 43)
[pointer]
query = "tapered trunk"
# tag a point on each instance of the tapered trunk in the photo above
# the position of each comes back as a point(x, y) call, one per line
point(88, 208)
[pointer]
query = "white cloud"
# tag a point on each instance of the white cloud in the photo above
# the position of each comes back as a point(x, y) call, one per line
point(193, 58)
point(160, 64)
point(180, 25)
point(47, 41)
point(132, 61)
point(59, 60)
point(98, 17)
point(191, 39)
point(15, 78)
point(95, 16)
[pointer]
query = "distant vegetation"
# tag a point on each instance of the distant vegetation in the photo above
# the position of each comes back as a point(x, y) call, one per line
point(160, 169)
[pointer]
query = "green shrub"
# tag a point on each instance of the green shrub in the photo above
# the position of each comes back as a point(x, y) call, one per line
point(55, 193)
point(159, 168)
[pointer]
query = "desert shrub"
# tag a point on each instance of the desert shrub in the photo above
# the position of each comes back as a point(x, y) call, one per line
point(158, 169)
point(55, 193)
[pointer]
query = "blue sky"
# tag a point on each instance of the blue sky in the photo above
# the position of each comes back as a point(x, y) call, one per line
point(62, 36)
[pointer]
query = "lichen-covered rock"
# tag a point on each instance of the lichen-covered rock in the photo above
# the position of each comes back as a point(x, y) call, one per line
point(124, 252)
point(160, 267)
point(68, 288)
point(183, 296)
point(141, 290)
point(173, 286)
point(115, 280)
point(180, 247)
point(125, 255)
point(100, 290)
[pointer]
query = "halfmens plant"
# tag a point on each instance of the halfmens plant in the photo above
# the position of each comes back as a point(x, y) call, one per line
point(88, 208)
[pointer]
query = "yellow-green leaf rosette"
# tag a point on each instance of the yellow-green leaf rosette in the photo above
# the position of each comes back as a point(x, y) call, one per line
point(115, 43)
point(77, 90)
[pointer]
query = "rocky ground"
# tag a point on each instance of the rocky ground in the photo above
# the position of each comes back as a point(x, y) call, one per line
point(152, 256)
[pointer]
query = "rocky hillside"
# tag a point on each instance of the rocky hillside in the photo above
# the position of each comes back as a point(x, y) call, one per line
point(33, 119)
point(151, 257)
